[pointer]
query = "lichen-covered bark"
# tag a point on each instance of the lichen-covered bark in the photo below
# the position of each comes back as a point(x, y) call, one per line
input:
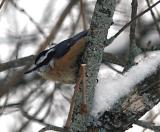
point(130, 108)
point(96, 39)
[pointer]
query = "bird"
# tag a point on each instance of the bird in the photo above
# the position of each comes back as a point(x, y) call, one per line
point(62, 61)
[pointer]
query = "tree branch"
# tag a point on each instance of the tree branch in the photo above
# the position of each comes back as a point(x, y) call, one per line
point(54, 128)
point(154, 18)
point(101, 21)
point(29, 17)
point(135, 18)
point(57, 26)
point(130, 108)
point(107, 58)
point(148, 125)
point(82, 11)
point(133, 49)
point(17, 63)
point(2, 3)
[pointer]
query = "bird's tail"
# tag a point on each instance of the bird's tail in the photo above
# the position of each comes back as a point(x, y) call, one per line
point(78, 37)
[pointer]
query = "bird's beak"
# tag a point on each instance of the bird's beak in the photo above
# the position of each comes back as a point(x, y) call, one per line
point(31, 70)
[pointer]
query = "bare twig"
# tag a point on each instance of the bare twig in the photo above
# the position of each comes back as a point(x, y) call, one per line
point(11, 105)
point(154, 18)
point(111, 58)
point(2, 3)
point(151, 1)
point(75, 25)
point(84, 90)
point(107, 57)
point(82, 9)
point(17, 63)
point(11, 82)
point(151, 118)
point(30, 18)
point(133, 50)
point(135, 18)
point(76, 89)
point(4, 105)
point(148, 125)
point(57, 26)
point(50, 103)
point(54, 128)
point(33, 116)
point(133, 24)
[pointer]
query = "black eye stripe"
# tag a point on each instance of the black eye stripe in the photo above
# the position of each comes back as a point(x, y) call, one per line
point(48, 56)
point(44, 53)
point(40, 55)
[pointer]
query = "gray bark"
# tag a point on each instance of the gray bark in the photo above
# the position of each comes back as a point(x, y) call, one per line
point(96, 39)
point(133, 106)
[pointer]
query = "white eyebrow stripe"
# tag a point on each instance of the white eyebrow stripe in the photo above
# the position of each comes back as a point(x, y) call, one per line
point(44, 57)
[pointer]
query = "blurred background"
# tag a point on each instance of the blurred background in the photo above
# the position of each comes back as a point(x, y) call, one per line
point(28, 26)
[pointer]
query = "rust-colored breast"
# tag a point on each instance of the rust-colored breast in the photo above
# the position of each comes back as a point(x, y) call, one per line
point(66, 68)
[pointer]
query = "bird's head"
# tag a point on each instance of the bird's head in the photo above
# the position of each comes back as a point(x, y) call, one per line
point(43, 61)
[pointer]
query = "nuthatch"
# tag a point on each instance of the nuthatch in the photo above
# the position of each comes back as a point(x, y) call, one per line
point(61, 62)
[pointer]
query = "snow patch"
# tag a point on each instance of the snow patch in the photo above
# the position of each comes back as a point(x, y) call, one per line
point(110, 89)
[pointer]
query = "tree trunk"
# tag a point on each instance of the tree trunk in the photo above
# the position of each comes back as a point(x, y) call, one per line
point(96, 39)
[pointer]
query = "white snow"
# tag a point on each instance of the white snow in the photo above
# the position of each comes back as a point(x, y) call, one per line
point(110, 89)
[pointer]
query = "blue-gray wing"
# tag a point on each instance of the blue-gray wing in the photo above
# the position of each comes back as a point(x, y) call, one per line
point(62, 48)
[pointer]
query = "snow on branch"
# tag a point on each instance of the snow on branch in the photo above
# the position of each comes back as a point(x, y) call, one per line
point(109, 90)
